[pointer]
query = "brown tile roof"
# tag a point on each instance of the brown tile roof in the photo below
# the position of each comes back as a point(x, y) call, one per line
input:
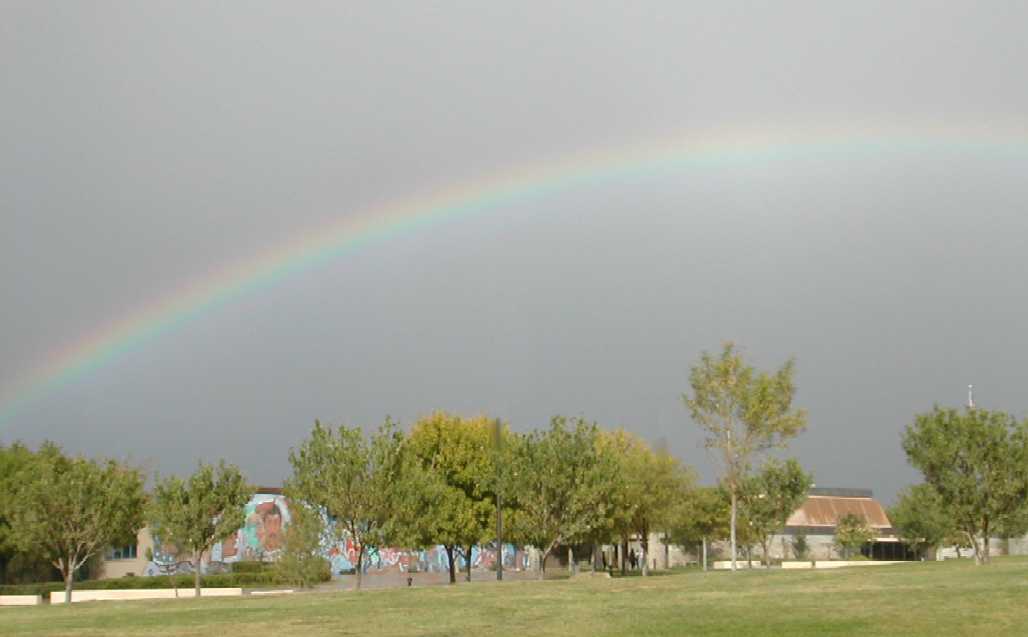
point(826, 511)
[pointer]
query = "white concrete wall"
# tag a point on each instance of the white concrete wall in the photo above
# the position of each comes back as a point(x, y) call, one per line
point(723, 565)
point(57, 597)
point(21, 600)
point(822, 564)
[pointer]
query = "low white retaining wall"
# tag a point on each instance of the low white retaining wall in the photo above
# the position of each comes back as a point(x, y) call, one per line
point(287, 591)
point(835, 564)
point(722, 565)
point(842, 563)
point(57, 597)
point(21, 600)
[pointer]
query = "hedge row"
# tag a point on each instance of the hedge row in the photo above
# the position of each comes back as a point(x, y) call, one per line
point(221, 580)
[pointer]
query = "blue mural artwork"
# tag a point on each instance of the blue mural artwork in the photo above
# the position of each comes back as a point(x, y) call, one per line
point(262, 538)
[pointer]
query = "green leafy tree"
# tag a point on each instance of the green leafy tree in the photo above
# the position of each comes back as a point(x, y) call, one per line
point(459, 510)
point(13, 459)
point(851, 533)
point(770, 497)
point(354, 479)
point(744, 413)
point(977, 462)
point(700, 517)
point(921, 519)
point(624, 497)
point(562, 486)
point(654, 483)
point(200, 511)
point(302, 562)
point(70, 509)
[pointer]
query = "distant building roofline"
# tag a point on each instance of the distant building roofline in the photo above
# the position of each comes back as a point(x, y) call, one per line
point(841, 492)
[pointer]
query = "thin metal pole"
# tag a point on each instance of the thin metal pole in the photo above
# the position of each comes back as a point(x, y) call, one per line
point(499, 539)
point(498, 441)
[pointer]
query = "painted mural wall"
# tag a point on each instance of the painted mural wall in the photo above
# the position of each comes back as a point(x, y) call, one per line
point(262, 538)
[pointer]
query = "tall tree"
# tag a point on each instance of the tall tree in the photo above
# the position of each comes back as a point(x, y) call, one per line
point(770, 497)
point(921, 519)
point(200, 511)
point(562, 486)
point(977, 462)
point(459, 452)
point(353, 478)
point(744, 413)
point(70, 509)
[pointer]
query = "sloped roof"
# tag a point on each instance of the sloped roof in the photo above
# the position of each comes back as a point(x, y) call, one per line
point(826, 511)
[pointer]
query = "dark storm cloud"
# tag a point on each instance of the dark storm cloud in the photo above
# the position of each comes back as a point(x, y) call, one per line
point(142, 146)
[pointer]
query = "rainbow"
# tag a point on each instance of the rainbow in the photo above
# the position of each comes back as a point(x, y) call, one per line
point(356, 229)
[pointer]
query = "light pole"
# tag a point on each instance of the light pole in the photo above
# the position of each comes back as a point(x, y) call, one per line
point(497, 444)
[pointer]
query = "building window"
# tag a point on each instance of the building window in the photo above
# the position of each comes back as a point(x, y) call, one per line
point(122, 552)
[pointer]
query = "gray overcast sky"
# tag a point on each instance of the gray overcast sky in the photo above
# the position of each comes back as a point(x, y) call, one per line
point(143, 145)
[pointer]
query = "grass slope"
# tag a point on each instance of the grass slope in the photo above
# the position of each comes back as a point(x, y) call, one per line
point(953, 598)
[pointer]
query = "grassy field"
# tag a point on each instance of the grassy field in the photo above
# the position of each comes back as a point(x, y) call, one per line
point(953, 598)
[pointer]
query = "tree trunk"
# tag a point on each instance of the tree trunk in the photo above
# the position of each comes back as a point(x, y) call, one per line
point(69, 576)
point(644, 546)
point(977, 550)
point(596, 557)
point(667, 554)
point(763, 547)
point(704, 554)
point(198, 557)
point(624, 555)
point(571, 560)
point(542, 562)
point(732, 528)
point(450, 558)
point(749, 556)
point(360, 566)
point(467, 557)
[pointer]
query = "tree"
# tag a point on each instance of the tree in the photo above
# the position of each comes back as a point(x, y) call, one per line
point(653, 484)
point(700, 517)
point(977, 462)
point(921, 519)
point(743, 413)
point(851, 533)
point(562, 486)
point(353, 479)
point(459, 510)
point(201, 511)
point(70, 509)
point(302, 562)
point(770, 497)
point(13, 460)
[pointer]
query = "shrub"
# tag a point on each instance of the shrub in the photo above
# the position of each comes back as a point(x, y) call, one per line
point(251, 567)
point(221, 580)
point(301, 562)
point(851, 533)
point(800, 547)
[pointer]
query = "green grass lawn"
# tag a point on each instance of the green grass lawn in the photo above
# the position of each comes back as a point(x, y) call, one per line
point(953, 598)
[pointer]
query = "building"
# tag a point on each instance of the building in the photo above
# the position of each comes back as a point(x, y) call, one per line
point(816, 519)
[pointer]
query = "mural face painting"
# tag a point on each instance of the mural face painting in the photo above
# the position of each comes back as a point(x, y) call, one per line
point(262, 539)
